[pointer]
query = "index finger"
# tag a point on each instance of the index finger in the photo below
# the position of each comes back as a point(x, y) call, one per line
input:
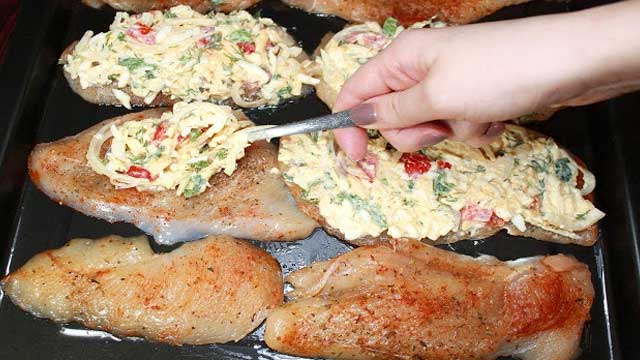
point(396, 68)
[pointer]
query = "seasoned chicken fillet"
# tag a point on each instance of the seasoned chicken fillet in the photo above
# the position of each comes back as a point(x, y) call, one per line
point(412, 301)
point(407, 12)
point(253, 203)
point(209, 291)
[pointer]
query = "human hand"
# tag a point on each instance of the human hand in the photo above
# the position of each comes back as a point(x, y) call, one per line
point(460, 82)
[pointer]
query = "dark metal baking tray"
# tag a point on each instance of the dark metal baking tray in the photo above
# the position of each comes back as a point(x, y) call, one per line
point(37, 105)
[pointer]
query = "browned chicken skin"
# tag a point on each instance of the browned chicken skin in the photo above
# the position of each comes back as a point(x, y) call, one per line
point(406, 12)
point(208, 291)
point(410, 300)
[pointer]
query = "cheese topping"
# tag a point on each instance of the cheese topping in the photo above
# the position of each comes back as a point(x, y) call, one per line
point(449, 187)
point(182, 149)
point(355, 45)
point(192, 57)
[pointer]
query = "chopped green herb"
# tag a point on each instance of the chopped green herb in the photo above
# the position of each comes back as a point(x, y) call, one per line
point(329, 183)
point(287, 177)
point(305, 193)
point(158, 152)
point(197, 166)
point(194, 134)
point(440, 185)
point(284, 92)
point(133, 63)
point(305, 196)
point(563, 170)
point(214, 42)
point(231, 58)
point(516, 162)
point(410, 185)
point(185, 58)
point(384, 181)
point(140, 135)
point(314, 136)
point(539, 166)
point(512, 141)
point(170, 15)
point(481, 169)
point(148, 74)
point(257, 14)
point(242, 35)
point(197, 183)
point(389, 27)
point(315, 182)
point(113, 77)
point(360, 204)
point(121, 36)
point(222, 154)
point(583, 215)
point(217, 2)
point(139, 159)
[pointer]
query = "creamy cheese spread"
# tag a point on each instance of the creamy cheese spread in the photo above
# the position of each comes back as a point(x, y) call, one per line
point(520, 179)
point(192, 57)
point(355, 45)
point(180, 150)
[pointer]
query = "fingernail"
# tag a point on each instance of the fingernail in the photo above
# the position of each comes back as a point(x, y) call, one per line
point(431, 139)
point(494, 129)
point(363, 114)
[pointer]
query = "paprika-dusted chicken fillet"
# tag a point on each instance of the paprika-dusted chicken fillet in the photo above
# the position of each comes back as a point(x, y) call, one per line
point(210, 291)
point(407, 11)
point(158, 58)
point(252, 202)
point(409, 300)
point(522, 182)
point(203, 6)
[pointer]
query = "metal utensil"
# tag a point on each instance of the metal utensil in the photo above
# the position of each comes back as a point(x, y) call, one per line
point(334, 121)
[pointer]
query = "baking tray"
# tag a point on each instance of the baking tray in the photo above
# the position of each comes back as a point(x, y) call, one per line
point(37, 106)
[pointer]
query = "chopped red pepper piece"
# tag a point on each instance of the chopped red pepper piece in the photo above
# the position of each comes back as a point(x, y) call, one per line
point(139, 172)
point(143, 33)
point(203, 42)
point(535, 204)
point(143, 28)
point(247, 47)
point(161, 132)
point(496, 221)
point(443, 164)
point(415, 163)
point(476, 213)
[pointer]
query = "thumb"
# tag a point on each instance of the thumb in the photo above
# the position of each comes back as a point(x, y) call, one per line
point(393, 110)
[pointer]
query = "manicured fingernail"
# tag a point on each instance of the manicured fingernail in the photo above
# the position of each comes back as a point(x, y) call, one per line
point(431, 139)
point(494, 129)
point(363, 114)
